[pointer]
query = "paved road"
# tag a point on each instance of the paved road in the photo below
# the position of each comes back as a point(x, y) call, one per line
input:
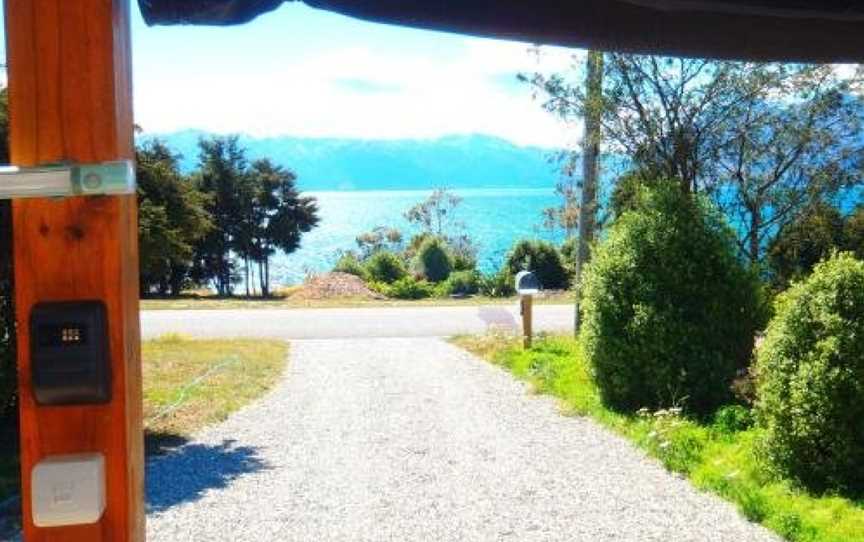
point(347, 323)
point(414, 440)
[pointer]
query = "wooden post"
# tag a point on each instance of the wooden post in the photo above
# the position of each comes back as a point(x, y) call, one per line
point(527, 305)
point(70, 99)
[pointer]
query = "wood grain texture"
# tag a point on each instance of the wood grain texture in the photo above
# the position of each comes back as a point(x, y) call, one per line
point(70, 99)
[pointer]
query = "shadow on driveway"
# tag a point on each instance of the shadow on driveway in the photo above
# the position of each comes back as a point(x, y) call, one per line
point(187, 471)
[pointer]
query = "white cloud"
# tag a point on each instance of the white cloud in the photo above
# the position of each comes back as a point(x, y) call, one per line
point(388, 94)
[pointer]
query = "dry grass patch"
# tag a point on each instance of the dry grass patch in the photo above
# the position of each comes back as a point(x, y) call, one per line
point(191, 383)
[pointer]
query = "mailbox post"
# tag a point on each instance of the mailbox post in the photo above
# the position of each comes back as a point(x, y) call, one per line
point(526, 286)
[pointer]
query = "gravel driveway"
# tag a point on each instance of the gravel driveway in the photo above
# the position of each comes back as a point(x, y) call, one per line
point(413, 439)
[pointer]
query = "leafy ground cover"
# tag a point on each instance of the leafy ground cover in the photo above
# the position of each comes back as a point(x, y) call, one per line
point(722, 456)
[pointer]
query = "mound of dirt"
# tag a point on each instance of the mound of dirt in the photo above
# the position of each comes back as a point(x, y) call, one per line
point(335, 285)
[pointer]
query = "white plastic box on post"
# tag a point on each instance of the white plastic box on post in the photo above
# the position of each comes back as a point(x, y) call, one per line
point(68, 490)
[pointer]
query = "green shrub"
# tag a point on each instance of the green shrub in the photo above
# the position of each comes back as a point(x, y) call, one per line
point(461, 283)
point(433, 260)
point(409, 288)
point(569, 253)
point(669, 312)
point(500, 284)
point(809, 239)
point(733, 418)
point(810, 379)
point(349, 263)
point(543, 259)
point(385, 267)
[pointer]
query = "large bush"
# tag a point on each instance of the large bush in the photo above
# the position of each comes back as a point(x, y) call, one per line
point(810, 378)
point(408, 288)
point(500, 284)
point(349, 263)
point(461, 283)
point(669, 312)
point(433, 260)
point(540, 257)
point(385, 267)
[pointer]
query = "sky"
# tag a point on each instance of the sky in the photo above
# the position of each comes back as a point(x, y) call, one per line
point(304, 72)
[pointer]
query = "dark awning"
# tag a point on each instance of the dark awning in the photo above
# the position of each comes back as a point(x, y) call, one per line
point(794, 30)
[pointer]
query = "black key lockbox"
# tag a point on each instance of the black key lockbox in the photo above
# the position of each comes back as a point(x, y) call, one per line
point(69, 354)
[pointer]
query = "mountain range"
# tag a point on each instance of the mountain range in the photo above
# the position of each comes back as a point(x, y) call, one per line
point(455, 161)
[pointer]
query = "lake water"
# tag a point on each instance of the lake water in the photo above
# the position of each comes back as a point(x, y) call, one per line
point(494, 218)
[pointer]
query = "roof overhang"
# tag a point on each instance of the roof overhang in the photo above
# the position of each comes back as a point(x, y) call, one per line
point(796, 30)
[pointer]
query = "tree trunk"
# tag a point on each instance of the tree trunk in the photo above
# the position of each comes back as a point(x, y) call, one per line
point(753, 234)
point(590, 167)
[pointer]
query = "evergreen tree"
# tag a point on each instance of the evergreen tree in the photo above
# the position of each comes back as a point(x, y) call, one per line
point(223, 177)
point(172, 218)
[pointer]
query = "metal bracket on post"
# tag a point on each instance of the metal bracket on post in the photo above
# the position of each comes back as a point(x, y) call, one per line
point(64, 180)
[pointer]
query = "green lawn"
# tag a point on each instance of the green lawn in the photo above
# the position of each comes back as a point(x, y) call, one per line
point(713, 456)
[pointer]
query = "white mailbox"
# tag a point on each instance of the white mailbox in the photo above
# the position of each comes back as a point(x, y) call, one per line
point(527, 283)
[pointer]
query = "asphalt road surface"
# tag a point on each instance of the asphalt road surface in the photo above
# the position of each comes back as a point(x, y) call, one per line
point(351, 323)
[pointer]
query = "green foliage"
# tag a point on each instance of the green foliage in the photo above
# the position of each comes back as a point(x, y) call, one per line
point(811, 379)
point(379, 238)
point(569, 252)
point(385, 267)
point(436, 215)
point(669, 313)
point(433, 260)
point(460, 283)
point(733, 418)
point(540, 257)
point(499, 284)
point(172, 219)
point(349, 263)
point(406, 288)
point(811, 237)
point(255, 209)
point(727, 462)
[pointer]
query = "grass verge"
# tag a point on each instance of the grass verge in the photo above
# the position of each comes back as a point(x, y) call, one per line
point(192, 383)
point(188, 384)
point(715, 456)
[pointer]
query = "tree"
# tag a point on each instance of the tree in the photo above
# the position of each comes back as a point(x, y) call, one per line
point(172, 219)
point(590, 167)
point(765, 141)
point(279, 218)
point(436, 214)
point(221, 176)
point(436, 217)
point(782, 157)
point(811, 238)
point(378, 239)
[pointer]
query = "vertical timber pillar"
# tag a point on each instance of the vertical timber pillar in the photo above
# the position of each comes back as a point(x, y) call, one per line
point(70, 99)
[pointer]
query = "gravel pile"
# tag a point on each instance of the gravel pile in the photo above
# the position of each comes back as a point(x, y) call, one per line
point(412, 439)
point(335, 285)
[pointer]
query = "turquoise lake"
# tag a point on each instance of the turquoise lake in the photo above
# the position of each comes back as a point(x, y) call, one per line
point(494, 218)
